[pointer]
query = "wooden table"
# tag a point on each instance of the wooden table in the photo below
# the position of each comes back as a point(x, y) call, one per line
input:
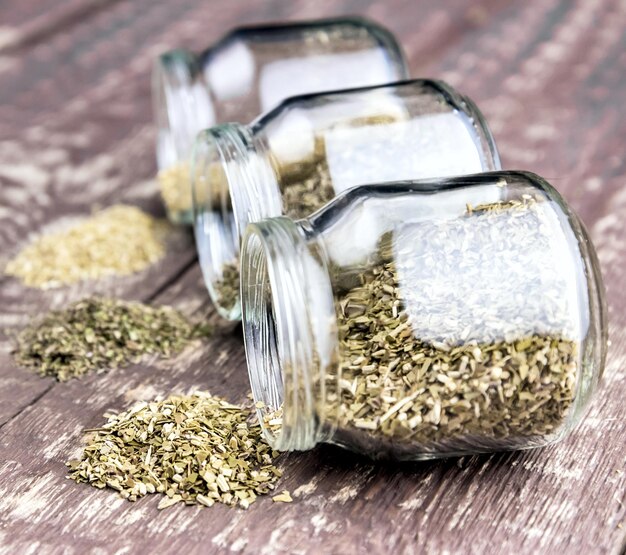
point(75, 132)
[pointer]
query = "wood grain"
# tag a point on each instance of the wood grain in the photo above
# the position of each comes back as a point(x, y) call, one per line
point(75, 132)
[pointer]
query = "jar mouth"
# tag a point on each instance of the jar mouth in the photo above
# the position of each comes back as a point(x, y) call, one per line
point(282, 348)
point(265, 372)
point(215, 230)
point(232, 185)
point(182, 105)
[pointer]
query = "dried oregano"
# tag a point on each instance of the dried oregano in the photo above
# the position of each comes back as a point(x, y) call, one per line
point(98, 334)
point(119, 240)
point(427, 394)
point(193, 449)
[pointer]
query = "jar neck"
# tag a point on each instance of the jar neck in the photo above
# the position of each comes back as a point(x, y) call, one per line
point(290, 333)
point(182, 105)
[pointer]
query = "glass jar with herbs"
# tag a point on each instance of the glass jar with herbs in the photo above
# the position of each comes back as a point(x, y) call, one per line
point(251, 70)
point(425, 319)
point(299, 156)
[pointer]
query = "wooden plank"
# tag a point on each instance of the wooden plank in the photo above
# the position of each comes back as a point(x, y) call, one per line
point(550, 77)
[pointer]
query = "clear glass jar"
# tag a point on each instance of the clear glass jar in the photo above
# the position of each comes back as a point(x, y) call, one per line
point(296, 158)
point(250, 71)
point(424, 319)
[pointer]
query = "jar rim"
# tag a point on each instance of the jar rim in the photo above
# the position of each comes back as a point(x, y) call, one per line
point(232, 184)
point(281, 345)
point(181, 105)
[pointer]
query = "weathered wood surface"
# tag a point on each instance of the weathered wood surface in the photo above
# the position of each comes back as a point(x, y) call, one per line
point(75, 133)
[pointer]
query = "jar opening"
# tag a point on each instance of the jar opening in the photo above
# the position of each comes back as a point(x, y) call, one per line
point(283, 349)
point(215, 230)
point(266, 377)
point(233, 185)
point(182, 105)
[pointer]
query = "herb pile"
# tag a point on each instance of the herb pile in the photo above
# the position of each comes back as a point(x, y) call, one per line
point(119, 240)
point(195, 449)
point(98, 334)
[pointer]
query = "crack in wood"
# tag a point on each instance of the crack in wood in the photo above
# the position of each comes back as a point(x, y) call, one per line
point(33, 402)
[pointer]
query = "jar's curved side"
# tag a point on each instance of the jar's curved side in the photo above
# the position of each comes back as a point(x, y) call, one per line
point(277, 61)
point(564, 267)
point(485, 141)
point(289, 333)
point(594, 342)
point(383, 36)
point(388, 42)
point(381, 33)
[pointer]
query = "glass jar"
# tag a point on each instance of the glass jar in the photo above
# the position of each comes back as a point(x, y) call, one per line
point(296, 158)
point(424, 319)
point(251, 70)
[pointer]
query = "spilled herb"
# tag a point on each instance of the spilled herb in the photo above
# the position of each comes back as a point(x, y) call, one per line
point(193, 449)
point(97, 334)
point(120, 240)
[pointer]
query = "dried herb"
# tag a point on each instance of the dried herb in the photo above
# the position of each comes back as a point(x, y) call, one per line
point(308, 192)
point(120, 240)
point(195, 449)
point(427, 394)
point(227, 288)
point(282, 497)
point(403, 383)
point(176, 189)
point(97, 334)
point(174, 183)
